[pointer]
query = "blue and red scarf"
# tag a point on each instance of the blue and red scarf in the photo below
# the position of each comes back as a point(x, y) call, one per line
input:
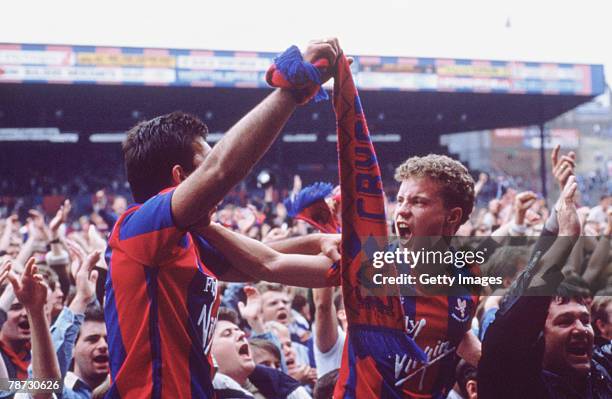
point(377, 334)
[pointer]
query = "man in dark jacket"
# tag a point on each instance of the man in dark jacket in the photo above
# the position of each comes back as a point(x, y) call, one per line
point(541, 346)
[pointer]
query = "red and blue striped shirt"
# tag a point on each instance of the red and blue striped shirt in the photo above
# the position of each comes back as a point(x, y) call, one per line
point(161, 306)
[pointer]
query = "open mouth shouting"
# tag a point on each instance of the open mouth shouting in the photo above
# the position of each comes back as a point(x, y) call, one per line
point(101, 362)
point(404, 231)
point(24, 326)
point(244, 351)
point(282, 316)
point(579, 352)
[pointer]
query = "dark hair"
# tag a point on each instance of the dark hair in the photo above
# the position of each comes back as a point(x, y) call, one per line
point(465, 372)
point(227, 314)
point(565, 299)
point(299, 301)
point(153, 147)
point(94, 313)
point(572, 289)
point(324, 388)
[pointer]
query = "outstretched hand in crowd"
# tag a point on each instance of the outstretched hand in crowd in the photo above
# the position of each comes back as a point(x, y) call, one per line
point(37, 227)
point(85, 277)
point(31, 291)
point(562, 167)
point(251, 311)
point(60, 218)
point(567, 215)
point(29, 288)
point(522, 203)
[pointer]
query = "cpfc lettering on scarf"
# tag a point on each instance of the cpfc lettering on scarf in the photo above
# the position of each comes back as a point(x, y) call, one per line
point(376, 319)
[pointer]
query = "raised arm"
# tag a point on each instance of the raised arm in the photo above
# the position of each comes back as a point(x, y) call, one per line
point(65, 329)
point(241, 147)
point(251, 311)
point(601, 255)
point(263, 263)
point(5, 238)
point(37, 233)
point(31, 292)
point(59, 219)
point(556, 256)
point(482, 180)
point(575, 259)
point(508, 357)
point(7, 296)
point(326, 326)
point(522, 202)
point(85, 277)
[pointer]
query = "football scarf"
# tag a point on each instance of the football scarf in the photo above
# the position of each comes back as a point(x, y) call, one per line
point(377, 334)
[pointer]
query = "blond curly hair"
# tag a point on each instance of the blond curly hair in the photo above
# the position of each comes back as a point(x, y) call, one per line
point(456, 183)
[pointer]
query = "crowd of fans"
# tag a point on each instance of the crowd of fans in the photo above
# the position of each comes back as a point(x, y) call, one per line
point(158, 284)
point(297, 331)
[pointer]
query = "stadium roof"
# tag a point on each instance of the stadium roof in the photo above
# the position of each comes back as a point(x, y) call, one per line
point(105, 88)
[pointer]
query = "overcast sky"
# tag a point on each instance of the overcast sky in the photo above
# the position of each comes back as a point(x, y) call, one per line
point(528, 30)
